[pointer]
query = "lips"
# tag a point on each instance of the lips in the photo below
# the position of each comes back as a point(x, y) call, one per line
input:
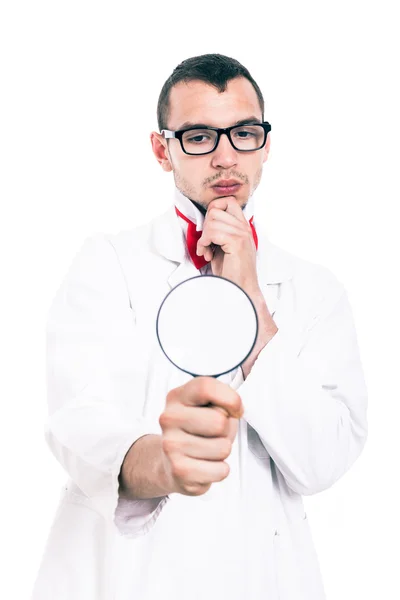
point(226, 183)
point(227, 187)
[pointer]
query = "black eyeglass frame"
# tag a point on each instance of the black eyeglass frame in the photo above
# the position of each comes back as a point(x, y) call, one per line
point(168, 134)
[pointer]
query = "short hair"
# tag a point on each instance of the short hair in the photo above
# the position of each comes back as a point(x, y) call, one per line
point(214, 69)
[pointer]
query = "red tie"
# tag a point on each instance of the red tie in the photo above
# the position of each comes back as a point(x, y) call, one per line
point(193, 236)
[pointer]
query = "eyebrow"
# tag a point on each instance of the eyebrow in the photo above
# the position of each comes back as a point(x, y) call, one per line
point(247, 121)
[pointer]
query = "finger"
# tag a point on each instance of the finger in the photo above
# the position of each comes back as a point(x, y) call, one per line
point(219, 233)
point(230, 205)
point(204, 421)
point(220, 409)
point(196, 471)
point(202, 391)
point(194, 446)
point(217, 214)
point(209, 252)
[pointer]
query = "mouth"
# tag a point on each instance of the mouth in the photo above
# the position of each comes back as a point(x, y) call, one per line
point(227, 186)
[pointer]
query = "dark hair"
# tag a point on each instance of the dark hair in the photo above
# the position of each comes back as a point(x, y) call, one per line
point(215, 69)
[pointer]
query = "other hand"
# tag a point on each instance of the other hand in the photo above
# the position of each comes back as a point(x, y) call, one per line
point(227, 241)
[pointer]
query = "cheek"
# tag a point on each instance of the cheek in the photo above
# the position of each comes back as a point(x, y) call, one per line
point(190, 165)
point(250, 168)
point(257, 168)
point(196, 170)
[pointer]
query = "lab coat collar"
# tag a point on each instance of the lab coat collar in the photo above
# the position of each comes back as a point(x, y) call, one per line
point(274, 265)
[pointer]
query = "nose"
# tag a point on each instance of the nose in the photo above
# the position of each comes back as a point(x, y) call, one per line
point(225, 155)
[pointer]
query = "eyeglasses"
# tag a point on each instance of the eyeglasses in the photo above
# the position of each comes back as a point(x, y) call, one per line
point(203, 140)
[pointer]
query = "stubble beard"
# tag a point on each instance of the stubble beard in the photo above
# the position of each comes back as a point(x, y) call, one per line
point(189, 191)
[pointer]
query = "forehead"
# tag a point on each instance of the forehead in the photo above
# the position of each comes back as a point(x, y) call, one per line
point(199, 102)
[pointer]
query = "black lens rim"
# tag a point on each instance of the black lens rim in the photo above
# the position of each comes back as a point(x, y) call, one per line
point(227, 131)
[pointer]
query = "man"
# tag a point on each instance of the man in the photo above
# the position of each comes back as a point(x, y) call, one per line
point(191, 488)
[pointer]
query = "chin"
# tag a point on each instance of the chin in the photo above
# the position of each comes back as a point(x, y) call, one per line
point(238, 196)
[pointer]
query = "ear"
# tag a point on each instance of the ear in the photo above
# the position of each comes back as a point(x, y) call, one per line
point(266, 147)
point(160, 149)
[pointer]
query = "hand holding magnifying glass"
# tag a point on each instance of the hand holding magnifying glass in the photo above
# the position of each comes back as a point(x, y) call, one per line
point(206, 326)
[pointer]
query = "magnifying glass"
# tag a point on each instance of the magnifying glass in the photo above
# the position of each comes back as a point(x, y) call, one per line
point(207, 326)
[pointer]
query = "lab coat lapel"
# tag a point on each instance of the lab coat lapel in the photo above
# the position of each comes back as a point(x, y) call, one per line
point(184, 271)
point(271, 298)
point(169, 241)
point(267, 273)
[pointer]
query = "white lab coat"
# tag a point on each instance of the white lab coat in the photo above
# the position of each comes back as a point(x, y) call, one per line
point(304, 425)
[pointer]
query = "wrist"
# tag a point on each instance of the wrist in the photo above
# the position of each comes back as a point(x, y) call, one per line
point(144, 473)
point(166, 477)
point(266, 325)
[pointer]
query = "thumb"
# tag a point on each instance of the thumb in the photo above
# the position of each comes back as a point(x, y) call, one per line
point(233, 428)
point(233, 423)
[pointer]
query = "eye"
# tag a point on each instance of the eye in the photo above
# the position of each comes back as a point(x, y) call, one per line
point(244, 134)
point(198, 138)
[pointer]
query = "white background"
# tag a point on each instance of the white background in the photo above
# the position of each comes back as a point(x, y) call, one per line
point(80, 83)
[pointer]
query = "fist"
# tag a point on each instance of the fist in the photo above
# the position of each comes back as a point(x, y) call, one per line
point(199, 425)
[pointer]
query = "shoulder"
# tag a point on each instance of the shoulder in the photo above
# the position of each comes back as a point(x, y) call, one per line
point(307, 279)
point(129, 241)
point(125, 245)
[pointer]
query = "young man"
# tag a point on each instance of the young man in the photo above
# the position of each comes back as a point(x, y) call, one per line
point(191, 488)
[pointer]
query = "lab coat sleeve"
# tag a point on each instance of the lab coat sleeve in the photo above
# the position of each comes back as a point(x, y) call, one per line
point(94, 384)
point(306, 397)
